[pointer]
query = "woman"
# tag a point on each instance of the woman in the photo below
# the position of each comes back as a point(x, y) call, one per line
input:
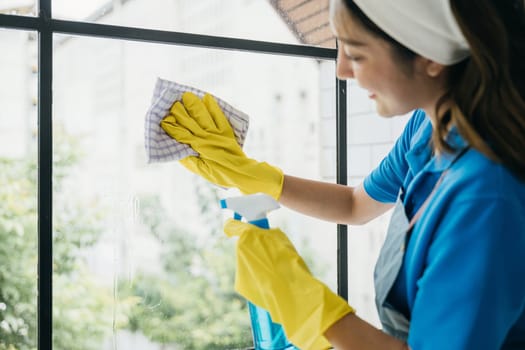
point(450, 274)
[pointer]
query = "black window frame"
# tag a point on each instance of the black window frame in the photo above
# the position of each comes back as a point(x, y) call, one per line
point(45, 26)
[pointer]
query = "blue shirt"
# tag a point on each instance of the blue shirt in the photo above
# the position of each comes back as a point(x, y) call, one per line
point(462, 282)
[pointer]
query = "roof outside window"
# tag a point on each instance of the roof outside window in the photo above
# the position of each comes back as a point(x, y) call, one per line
point(308, 20)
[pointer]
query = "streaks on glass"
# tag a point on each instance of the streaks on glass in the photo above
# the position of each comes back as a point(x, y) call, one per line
point(123, 216)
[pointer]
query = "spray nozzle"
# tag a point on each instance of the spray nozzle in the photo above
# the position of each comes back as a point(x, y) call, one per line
point(251, 207)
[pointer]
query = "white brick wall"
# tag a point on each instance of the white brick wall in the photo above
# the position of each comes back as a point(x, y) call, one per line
point(370, 138)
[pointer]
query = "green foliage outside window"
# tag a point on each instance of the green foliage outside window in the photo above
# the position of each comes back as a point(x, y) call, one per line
point(191, 305)
point(188, 304)
point(79, 303)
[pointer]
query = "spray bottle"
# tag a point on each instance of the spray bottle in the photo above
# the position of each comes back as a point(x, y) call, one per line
point(267, 335)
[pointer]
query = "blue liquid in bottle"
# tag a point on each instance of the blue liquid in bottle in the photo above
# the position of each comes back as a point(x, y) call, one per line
point(267, 335)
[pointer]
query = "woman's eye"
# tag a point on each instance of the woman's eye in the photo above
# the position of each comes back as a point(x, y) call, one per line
point(347, 51)
point(353, 58)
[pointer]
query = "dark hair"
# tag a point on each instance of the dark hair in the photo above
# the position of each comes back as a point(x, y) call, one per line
point(488, 88)
point(489, 92)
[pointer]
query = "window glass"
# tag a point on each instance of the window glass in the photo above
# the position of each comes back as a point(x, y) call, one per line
point(142, 261)
point(18, 190)
point(19, 7)
point(284, 21)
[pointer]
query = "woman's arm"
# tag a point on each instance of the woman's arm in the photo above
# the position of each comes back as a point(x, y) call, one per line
point(331, 202)
point(351, 332)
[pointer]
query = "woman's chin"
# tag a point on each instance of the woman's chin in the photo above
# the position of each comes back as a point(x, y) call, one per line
point(385, 112)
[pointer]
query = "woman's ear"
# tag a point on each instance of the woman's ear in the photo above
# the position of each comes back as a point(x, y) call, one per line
point(430, 68)
point(434, 69)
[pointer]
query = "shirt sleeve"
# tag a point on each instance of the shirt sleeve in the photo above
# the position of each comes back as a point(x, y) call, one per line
point(384, 182)
point(472, 290)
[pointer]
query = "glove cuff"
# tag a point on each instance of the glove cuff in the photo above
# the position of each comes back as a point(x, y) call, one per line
point(330, 309)
point(260, 177)
point(276, 180)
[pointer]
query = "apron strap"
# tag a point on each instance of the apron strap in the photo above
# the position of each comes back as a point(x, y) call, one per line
point(434, 189)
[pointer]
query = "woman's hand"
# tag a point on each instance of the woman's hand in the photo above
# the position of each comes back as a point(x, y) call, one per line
point(203, 126)
point(271, 274)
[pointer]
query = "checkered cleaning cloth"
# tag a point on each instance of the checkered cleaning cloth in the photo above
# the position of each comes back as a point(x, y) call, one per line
point(160, 147)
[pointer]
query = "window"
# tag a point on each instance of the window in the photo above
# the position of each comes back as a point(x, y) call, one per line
point(19, 7)
point(133, 253)
point(18, 190)
point(279, 21)
point(158, 260)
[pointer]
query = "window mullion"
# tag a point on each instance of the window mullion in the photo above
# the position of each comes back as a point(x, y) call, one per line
point(342, 174)
point(45, 182)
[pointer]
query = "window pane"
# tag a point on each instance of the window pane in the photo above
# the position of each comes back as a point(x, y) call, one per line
point(285, 21)
point(18, 190)
point(19, 7)
point(141, 260)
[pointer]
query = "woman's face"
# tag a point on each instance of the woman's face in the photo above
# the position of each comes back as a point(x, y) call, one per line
point(370, 60)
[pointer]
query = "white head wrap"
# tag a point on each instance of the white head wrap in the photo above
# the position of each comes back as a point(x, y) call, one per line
point(427, 27)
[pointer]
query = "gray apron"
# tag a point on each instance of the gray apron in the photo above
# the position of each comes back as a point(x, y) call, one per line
point(386, 270)
point(391, 258)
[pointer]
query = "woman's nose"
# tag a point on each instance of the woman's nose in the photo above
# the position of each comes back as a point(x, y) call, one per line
point(343, 67)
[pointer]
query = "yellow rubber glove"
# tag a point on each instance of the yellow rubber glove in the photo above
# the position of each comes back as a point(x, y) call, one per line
point(271, 274)
point(203, 126)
